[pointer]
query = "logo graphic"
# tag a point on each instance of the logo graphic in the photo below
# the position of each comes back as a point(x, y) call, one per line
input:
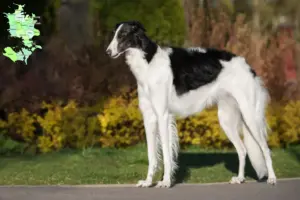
point(21, 26)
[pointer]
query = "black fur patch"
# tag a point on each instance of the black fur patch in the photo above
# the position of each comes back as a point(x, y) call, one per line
point(193, 69)
point(150, 50)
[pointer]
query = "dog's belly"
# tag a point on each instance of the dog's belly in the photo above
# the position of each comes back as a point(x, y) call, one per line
point(193, 101)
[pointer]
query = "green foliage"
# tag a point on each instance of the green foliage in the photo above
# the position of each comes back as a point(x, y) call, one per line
point(163, 20)
point(9, 145)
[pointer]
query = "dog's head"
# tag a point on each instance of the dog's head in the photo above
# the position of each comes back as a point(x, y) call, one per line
point(126, 35)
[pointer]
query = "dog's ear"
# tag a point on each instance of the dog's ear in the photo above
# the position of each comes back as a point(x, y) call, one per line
point(117, 25)
point(136, 25)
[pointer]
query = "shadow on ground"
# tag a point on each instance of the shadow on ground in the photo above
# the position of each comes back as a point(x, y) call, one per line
point(198, 160)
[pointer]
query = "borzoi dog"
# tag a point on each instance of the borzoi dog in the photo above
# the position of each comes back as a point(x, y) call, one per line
point(174, 81)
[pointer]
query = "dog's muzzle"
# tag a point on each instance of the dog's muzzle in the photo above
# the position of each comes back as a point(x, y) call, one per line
point(108, 52)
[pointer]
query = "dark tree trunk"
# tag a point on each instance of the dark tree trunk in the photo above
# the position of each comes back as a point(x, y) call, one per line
point(74, 23)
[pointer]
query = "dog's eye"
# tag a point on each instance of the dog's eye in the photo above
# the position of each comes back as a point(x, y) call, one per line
point(123, 34)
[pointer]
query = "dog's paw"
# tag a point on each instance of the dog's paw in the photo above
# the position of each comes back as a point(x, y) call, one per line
point(237, 180)
point(271, 181)
point(164, 184)
point(144, 183)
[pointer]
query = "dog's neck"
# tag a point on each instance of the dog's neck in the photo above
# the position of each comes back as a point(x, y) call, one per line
point(149, 47)
point(139, 58)
point(138, 61)
point(135, 58)
point(146, 46)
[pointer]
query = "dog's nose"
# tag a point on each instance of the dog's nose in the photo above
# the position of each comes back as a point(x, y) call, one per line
point(108, 52)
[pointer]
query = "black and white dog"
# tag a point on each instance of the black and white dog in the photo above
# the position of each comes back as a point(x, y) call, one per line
point(183, 81)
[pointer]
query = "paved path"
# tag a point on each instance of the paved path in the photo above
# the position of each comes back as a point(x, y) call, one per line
point(284, 190)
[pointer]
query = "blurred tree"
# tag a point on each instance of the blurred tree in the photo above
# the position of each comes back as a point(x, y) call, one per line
point(289, 9)
point(188, 7)
point(256, 14)
point(210, 7)
point(73, 23)
point(163, 20)
point(267, 14)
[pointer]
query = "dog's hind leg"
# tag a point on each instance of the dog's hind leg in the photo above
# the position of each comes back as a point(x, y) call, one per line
point(230, 121)
point(256, 128)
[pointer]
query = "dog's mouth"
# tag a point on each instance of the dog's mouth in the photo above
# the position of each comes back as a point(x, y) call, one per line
point(115, 56)
point(118, 54)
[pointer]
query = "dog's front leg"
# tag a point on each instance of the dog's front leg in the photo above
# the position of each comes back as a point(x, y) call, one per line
point(150, 125)
point(159, 102)
point(163, 120)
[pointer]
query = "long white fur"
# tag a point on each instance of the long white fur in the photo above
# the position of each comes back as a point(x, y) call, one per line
point(241, 101)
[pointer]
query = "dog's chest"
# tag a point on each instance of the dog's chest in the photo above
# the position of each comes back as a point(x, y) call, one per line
point(138, 66)
point(147, 74)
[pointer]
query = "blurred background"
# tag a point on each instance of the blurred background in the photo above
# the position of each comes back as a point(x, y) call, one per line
point(72, 96)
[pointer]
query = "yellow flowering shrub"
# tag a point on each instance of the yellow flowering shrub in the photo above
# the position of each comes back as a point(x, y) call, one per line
point(202, 129)
point(79, 128)
point(290, 125)
point(66, 126)
point(274, 125)
point(60, 126)
point(21, 125)
point(121, 123)
point(118, 123)
point(52, 136)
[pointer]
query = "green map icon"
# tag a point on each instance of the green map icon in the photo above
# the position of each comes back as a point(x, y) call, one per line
point(21, 26)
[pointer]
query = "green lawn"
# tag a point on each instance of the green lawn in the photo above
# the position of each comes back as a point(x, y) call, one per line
point(98, 166)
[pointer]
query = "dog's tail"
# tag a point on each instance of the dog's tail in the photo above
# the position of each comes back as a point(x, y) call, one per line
point(259, 98)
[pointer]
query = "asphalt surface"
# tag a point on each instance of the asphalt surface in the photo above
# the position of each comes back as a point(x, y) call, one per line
point(284, 190)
